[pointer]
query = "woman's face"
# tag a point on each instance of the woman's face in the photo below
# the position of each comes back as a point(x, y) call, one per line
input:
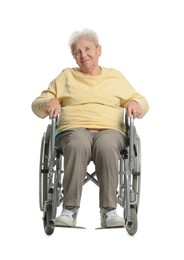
point(86, 54)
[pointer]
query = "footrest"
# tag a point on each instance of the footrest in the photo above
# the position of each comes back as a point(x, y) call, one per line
point(78, 227)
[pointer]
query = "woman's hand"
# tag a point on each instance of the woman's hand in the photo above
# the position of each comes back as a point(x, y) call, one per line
point(133, 109)
point(52, 107)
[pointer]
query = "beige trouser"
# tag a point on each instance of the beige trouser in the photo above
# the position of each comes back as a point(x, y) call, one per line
point(79, 147)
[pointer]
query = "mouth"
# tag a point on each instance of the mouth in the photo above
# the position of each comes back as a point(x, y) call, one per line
point(85, 61)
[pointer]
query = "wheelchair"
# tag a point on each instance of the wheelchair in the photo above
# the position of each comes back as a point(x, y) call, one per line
point(51, 176)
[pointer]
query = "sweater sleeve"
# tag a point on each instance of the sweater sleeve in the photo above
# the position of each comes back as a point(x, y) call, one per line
point(54, 90)
point(39, 103)
point(129, 93)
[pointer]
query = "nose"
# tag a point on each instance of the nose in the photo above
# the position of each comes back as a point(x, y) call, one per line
point(83, 53)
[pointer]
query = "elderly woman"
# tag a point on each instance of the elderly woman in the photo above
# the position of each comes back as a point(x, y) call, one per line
point(90, 100)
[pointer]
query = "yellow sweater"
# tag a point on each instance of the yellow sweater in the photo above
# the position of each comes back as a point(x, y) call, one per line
point(90, 101)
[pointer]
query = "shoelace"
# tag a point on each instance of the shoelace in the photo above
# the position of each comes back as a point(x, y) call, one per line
point(67, 212)
point(112, 213)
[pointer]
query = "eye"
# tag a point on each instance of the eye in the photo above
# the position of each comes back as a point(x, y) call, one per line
point(77, 53)
point(87, 49)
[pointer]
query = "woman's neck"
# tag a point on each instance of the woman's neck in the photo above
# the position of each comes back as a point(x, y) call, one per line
point(92, 72)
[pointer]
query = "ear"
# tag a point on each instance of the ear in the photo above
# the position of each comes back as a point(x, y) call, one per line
point(99, 48)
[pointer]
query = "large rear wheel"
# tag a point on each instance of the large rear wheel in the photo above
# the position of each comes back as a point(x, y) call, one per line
point(43, 168)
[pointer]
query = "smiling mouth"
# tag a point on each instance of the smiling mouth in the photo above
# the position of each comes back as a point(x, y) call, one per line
point(84, 61)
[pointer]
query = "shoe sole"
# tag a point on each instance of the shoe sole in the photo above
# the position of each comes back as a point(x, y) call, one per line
point(64, 224)
point(117, 224)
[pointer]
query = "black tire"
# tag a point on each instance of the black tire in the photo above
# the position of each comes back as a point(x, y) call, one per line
point(43, 168)
point(138, 169)
point(133, 225)
point(47, 220)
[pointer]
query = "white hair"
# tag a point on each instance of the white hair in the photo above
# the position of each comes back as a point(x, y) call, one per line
point(83, 34)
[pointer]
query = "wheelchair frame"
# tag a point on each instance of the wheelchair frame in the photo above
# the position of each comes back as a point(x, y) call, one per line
point(51, 176)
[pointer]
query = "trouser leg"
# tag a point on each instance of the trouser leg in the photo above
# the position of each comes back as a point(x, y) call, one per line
point(76, 147)
point(107, 145)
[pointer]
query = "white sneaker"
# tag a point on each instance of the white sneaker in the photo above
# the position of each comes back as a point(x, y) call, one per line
point(68, 218)
point(111, 219)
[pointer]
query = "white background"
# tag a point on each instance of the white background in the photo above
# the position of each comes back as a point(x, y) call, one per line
point(144, 40)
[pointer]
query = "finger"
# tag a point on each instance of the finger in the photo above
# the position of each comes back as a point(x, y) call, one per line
point(56, 111)
point(134, 112)
point(129, 111)
point(129, 114)
point(55, 114)
point(51, 113)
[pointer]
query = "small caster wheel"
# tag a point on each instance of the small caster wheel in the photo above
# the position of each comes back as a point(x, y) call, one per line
point(131, 226)
point(47, 220)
